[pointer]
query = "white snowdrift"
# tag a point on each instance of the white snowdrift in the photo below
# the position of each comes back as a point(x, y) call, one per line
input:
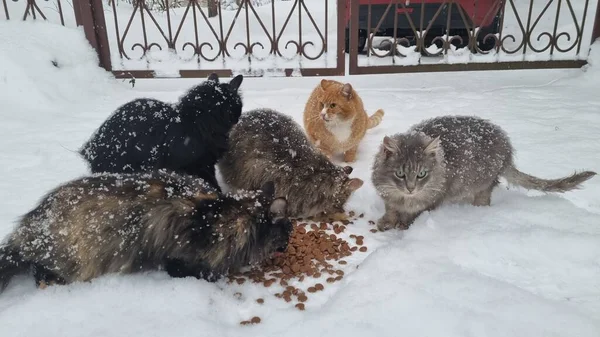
point(528, 265)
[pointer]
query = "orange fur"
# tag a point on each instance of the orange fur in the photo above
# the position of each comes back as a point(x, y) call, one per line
point(335, 119)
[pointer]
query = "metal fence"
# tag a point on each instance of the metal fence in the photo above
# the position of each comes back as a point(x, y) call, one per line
point(280, 38)
point(392, 36)
point(192, 38)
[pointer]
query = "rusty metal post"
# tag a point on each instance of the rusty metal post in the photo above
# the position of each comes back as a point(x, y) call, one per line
point(353, 55)
point(212, 8)
point(90, 15)
point(596, 32)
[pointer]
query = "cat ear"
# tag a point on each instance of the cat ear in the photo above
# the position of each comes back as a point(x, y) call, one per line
point(236, 82)
point(324, 83)
point(348, 169)
point(213, 77)
point(268, 190)
point(347, 91)
point(278, 208)
point(389, 146)
point(354, 184)
point(433, 147)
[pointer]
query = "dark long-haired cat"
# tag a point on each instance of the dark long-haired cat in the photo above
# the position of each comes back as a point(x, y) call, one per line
point(187, 137)
point(449, 159)
point(269, 146)
point(127, 223)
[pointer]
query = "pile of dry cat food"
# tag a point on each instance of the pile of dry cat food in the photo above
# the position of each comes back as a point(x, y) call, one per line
point(314, 255)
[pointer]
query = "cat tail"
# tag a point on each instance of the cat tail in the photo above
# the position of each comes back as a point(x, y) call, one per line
point(375, 119)
point(516, 177)
point(11, 264)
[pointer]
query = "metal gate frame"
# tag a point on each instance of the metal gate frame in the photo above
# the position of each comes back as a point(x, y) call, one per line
point(355, 69)
point(90, 14)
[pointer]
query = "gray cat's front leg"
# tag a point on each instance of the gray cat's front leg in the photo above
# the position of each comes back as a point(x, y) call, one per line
point(406, 219)
point(387, 221)
point(395, 218)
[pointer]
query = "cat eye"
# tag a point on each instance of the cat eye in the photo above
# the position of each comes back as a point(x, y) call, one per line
point(400, 174)
point(422, 174)
point(332, 105)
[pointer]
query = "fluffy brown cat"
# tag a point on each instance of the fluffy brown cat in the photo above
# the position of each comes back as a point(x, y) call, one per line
point(335, 119)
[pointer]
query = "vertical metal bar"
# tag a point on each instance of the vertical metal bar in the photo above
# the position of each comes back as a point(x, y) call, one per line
point(596, 32)
point(171, 44)
point(394, 45)
point(527, 36)
point(119, 43)
point(354, 6)
point(341, 37)
point(248, 49)
point(274, 41)
point(221, 41)
point(195, 16)
point(446, 45)
point(300, 27)
point(91, 17)
point(60, 12)
point(144, 33)
point(555, 28)
point(580, 33)
point(369, 38)
point(6, 10)
point(501, 26)
point(421, 37)
point(102, 36)
point(326, 25)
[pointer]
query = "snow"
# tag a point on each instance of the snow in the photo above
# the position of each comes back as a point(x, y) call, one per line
point(150, 50)
point(528, 265)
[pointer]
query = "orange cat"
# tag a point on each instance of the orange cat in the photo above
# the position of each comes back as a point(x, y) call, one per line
point(335, 119)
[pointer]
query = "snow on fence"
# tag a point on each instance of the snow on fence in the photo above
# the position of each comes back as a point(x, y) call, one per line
point(247, 36)
point(55, 11)
point(421, 35)
point(190, 38)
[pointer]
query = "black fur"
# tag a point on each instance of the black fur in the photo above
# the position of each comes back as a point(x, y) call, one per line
point(11, 265)
point(188, 137)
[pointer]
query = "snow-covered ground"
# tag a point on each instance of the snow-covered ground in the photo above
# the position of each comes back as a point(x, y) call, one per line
point(529, 265)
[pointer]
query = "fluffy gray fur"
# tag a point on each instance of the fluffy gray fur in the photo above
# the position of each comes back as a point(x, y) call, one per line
point(449, 159)
point(266, 145)
point(113, 223)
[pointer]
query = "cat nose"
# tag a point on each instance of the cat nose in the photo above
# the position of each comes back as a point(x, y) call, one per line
point(410, 189)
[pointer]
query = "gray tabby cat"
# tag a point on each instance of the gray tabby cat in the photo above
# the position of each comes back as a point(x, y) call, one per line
point(449, 159)
point(266, 145)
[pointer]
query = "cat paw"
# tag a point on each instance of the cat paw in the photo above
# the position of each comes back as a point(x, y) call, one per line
point(350, 156)
point(385, 224)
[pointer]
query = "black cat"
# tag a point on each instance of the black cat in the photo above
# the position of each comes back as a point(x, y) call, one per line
point(187, 137)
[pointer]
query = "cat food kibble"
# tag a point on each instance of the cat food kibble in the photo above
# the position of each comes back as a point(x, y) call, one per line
point(255, 320)
point(260, 301)
point(314, 252)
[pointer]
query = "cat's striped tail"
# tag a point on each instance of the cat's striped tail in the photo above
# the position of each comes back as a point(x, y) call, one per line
point(11, 265)
point(516, 177)
point(375, 119)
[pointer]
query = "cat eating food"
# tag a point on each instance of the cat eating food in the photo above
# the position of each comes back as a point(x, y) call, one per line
point(449, 159)
point(136, 222)
point(335, 119)
point(266, 145)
